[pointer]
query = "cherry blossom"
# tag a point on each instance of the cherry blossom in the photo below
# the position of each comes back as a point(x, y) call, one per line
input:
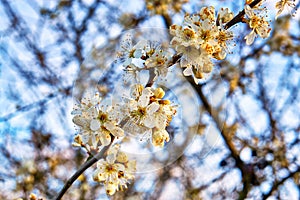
point(115, 171)
point(259, 25)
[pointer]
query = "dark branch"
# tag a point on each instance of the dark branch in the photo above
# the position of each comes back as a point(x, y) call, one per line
point(246, 170)
point(167, 19)
point(83, 167)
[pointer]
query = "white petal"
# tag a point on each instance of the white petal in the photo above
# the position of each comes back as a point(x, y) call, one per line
point(167, 109)
point(95, 125)
point(120, 167)
point(143, 100)
point(250, 38)
point(133, 105)
point(159, 137)
point(98, 176)
point(263, 32)
point(161, 121)
point(80, 121)
point(138, 53)
point(111, 158)
point(76, 112)
point(94, 141)
point(147, 91)
point(101, 177)
point(135, 91)
point(153, 107)
point(248, 11)
point(105, 138)
point(114, 149)
point(101, 163)
point(111, 188)
point(116, 131)
point(127, 62)
point(85, 137)
point(109, 125)
point(149, 121)
point(188, 71)
point(96, 99)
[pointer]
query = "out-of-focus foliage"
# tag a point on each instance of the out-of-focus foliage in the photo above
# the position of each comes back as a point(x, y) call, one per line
point(245, 142)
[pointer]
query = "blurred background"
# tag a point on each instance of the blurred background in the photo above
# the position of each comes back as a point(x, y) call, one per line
point(236, 135)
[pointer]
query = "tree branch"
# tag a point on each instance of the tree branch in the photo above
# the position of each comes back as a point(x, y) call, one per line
point(246, 170)
point(83, 167)
point(167, 19)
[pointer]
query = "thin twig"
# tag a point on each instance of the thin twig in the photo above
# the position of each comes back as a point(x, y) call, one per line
point(277, 184)
point(152, 76)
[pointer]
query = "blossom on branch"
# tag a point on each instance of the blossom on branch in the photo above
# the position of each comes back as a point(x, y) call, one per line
point(157, 59)
point(201, 38)
point(145, 55)
point(115, 171)
point(224, 15)
point(149, 112)
point(130, 51)
point(97, 123)
point(258, 23)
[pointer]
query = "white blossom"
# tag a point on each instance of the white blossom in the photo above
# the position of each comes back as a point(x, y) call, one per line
point(129, 51)
point(97, 123)
point(148, 111)
point(258, 24)
point(115, 171)
point(200, 39)
point(145, 55)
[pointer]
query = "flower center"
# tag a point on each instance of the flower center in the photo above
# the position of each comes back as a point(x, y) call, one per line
point(102, 117)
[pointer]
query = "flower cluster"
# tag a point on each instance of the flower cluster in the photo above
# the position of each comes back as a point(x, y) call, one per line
point(145, 55)
point(201, 38)
point(163, 6)
point(115, 171)
point(258, 23)
point(97, 123)
point(150, 113)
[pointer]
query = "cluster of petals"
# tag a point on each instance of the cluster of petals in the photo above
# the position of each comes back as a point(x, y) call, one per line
point(150, 112)
point(115, 171)
point(258, 23)
point(145, 55)
point(202, 37)
point(97, 123)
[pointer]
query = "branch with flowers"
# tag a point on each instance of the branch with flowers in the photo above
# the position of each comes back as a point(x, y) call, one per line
point(202, 38)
